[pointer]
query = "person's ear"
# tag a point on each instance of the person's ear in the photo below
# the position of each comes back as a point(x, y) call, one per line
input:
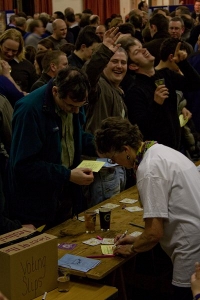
point(83, 46)
point(170, 57)
point(133, 67)
point(53, 67)
point(54, 90)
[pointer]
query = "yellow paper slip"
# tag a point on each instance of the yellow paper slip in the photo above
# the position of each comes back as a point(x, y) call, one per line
point(182, 120)
point(107, 249)
point(92, 164)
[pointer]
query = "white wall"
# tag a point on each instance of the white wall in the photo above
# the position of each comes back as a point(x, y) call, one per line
point(60, 5)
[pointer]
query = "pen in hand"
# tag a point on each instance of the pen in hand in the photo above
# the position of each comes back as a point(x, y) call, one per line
point(121, 237)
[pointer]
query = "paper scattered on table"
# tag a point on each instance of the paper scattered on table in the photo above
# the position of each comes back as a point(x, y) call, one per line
point(106, 163)
point(107, 249)
point(110, 205)
point(92, 164)
point(128, 201)
point(92, 242)
point(133, 208)
point(66, 246)
point(182, 120)
point(107, 241)
point(135, 233)
point(78, 263)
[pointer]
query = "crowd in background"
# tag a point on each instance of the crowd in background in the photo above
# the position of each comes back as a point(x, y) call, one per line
point(62, 75)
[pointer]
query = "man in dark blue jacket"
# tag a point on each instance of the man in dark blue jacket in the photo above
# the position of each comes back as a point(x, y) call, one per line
point(48, 141)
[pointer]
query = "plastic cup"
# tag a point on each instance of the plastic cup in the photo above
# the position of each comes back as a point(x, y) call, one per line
point(104, 215)
point(64, 280)
point(90, 221)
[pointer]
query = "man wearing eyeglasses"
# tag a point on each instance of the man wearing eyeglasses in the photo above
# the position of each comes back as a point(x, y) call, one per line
point(48, 141)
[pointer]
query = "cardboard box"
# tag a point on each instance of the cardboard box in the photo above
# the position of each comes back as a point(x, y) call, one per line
point(28, 268)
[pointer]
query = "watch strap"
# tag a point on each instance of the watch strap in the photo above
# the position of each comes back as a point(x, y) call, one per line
point(196, 297)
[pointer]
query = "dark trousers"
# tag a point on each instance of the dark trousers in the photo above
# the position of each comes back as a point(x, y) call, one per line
point(182, 293)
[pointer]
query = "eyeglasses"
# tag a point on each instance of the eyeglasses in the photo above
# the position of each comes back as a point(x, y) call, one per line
point(111, 160)
point(78, 106)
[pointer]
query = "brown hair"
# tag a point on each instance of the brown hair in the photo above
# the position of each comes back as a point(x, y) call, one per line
point(115, 133)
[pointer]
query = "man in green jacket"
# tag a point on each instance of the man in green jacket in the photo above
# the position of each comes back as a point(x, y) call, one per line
point(48, 141)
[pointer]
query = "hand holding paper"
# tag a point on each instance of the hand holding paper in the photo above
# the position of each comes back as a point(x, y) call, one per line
point(94, 165)
point(82, 176)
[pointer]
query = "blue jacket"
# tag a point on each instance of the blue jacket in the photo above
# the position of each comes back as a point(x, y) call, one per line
point(36, 176)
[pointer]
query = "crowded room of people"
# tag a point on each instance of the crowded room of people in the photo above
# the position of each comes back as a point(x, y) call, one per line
point(100, 150)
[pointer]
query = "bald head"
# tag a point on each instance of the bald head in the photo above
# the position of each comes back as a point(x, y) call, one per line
point(100, 30)
point(59, 29)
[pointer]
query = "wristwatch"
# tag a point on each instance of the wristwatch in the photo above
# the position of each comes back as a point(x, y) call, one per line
point(196, 297)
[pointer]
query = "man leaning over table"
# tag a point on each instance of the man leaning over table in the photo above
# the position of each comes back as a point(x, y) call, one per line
point(48, 140)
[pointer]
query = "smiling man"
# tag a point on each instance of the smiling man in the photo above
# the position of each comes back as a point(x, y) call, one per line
point(59, 34)
point(105, 70)
point(48, 141)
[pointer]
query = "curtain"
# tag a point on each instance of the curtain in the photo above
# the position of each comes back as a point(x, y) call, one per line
point(111, 7)
point(6, 5)
point(103, 8)
point(43, 6)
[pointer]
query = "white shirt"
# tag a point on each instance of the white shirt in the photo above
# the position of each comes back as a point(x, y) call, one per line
point(169, 187)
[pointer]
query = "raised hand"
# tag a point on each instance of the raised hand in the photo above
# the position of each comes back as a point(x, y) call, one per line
point(110, 38)
point(179, 55)
point(82, 176)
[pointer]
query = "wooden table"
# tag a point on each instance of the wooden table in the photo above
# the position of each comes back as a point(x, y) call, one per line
point(81, 289)
point(73, 231)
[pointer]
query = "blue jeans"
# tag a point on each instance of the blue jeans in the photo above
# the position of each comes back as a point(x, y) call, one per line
point(107, 183)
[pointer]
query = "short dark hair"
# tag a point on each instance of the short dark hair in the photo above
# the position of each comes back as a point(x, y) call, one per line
point(184, 10)
point(87, 38)
point(115, 133)
point(177, 19)
point(39, 57)
point(168, 47)
point(141, 4)
point(50, 57)
point(188, 22)
point(30, 53)
point(33, 24)
point(127, 28)
point(87, 11)
point(126, 44)
point(136, 20)
point(47, 43)
point(60, 15)
point(67, 48)
point(160, 21)
point(72, 82)
point(70, 16)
